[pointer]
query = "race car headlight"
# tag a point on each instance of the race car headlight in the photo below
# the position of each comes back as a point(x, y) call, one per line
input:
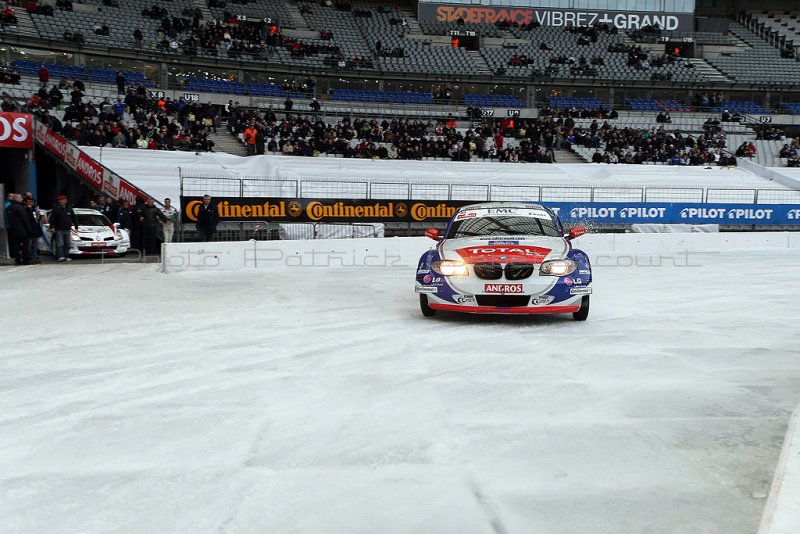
point(450, 267)
point(558, 268)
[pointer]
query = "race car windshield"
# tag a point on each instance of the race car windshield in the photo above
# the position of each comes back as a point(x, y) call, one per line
point(92, 220)
point(503, 225)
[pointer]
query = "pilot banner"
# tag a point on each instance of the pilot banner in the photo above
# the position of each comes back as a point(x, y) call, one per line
point(355, 211)
point(553, 16)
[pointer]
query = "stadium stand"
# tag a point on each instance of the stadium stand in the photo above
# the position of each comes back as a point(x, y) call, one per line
point(757, 63)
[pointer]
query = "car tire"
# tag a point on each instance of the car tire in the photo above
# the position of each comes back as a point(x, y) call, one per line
point(583, 313)
point(427, 311)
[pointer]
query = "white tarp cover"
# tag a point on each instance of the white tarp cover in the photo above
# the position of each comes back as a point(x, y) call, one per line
point(157, 173)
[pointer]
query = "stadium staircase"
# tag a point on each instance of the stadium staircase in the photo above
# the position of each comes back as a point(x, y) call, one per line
point(298, 21)
point(482, 68)
point(25, 25)
point(227, 143)
point(708, 72)
point(568, 156)
point(204, 9)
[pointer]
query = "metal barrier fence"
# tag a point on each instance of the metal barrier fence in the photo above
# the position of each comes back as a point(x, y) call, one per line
point(381, 189)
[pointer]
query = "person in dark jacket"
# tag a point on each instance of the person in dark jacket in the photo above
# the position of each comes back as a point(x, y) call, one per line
point(207, 219)
point(124, 215)
point(150, 217)
point(36, 224)
point(136, 224)
point(20, 232)
point(62, 221)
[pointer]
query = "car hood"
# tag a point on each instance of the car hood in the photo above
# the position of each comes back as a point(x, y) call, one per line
point(505, 249)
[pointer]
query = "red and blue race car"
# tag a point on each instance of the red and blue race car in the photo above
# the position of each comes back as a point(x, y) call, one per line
point(506, 258)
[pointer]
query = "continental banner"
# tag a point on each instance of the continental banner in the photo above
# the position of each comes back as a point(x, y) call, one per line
point(439, 211)
point(554, 16)
point(323, 210)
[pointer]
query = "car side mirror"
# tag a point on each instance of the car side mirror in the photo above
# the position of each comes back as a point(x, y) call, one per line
point(576, 231)
point(433, 233)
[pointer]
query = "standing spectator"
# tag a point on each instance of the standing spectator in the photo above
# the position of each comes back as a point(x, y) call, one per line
point(207, 219)
point(171, 215)
point(137, 216)
point(35, 217)
point(149, 221)
point(288, 104)
point(6, 204)
point(62, 220)
point(124, 216)
point(44, 75)
point(250, 139)
point(21, 231)
point(138, 36)
point(120, 83)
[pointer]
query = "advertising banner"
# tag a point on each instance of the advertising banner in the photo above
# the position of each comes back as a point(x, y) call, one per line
point(554, 17)
point(570, 213)
point(16, 130)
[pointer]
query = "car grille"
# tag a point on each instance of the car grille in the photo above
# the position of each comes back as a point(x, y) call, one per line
point(518, 271)
point(503, 301)
point(488, 271)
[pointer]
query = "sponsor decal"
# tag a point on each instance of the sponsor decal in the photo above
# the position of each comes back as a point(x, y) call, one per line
point(568, 281)
point(111, 184)
point(577, 281)
point(580, 291)
point(583, 271)
point(503, 288)
point(423, 271)
point(89, 169)
point(465, 215)
point(427, 278)
point(465, 299)
point(316, 210)
point(71, 157)
point(426, 289)
point(503, 243)
point(542, 300)
point(16, 130)
point(504, 253)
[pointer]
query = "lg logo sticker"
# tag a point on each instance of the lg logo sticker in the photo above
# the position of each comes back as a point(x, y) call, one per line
point(15, 130)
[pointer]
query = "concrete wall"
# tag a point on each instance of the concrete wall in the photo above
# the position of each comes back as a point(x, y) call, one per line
point(405, 251)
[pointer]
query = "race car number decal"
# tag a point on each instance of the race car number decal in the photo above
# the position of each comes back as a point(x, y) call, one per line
point(502, 288)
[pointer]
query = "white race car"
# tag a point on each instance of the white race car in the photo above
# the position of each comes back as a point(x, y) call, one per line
point(505, 258)
point(95, 235)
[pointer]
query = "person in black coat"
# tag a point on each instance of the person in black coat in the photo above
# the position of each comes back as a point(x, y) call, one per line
point(136, 224)
point(207, 219)
point(124, 215)
point(20, 232)
point(62, 220)
point(150, 217)
point(36, 225)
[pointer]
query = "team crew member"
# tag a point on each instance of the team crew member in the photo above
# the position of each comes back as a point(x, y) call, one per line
point(150, 216)
point(62, 220)
point(171, 215)
point(207, 219)
point(21, 231)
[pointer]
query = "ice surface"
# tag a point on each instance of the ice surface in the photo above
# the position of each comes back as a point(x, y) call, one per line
point(320, 401)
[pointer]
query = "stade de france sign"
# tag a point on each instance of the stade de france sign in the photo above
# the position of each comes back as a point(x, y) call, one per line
point(554, 17)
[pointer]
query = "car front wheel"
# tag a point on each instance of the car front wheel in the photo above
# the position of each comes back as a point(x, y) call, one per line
point(583, 312)
point(427, 311)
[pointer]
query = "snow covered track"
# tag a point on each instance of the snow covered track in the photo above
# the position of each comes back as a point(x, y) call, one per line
point(319, 400)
